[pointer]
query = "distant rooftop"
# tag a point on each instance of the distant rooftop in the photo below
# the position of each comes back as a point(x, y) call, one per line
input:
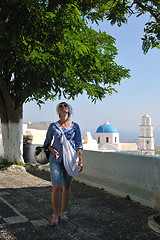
point(38, 125)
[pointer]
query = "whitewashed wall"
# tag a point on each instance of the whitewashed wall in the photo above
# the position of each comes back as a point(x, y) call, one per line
point(111, 137)
point(1, 147)
point(126, 175)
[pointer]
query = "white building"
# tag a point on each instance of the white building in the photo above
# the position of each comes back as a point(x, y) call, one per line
point(107, 137)
point(107, 133)
point(146, 139)
point(89, 143)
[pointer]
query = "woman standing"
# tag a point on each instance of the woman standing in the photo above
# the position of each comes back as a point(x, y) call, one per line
point(59, 175)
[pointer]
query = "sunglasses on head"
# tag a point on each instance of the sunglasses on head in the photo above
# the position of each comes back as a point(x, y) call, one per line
point(62, 105)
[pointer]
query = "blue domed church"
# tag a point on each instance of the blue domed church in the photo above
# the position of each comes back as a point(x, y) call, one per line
point(107, 134)
point(107, 139)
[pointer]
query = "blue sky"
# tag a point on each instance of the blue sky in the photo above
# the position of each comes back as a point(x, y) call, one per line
point(136, 96)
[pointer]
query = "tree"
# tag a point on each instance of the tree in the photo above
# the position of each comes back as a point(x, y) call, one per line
point(48, 50)
point(119, 11)
point(151, 37)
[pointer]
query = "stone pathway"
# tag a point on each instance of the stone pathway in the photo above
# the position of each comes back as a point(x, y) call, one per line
point(25, 211)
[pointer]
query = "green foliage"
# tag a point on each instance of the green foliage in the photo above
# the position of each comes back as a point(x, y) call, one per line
point(46, 54)
point(119, 11)
point(47, 49)
point(5, 164)
point(157, 152)
point(151, 38)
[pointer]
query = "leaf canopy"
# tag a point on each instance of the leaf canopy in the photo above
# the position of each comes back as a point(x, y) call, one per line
point(47, 49)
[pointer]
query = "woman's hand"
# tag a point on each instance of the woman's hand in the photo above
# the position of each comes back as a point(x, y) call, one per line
point(54, 151)
point(80, 164)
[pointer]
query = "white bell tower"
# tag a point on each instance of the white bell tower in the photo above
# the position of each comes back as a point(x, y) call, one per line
point(146, 139)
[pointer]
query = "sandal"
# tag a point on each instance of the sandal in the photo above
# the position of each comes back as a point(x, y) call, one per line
point(54, 222)
point(64, 217)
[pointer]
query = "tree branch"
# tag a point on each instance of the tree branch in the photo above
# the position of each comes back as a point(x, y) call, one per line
point(148, 9)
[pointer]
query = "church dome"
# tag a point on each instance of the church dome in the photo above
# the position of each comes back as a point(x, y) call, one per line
point(106, 128)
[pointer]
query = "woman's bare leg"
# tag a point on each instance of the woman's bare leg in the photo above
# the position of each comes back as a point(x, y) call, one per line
point(65, 198)
point(55, 201)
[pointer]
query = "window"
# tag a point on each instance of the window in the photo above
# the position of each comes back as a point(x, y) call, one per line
point(148, 145)
point(99, 139)
point(107, 139)
point(115, 139)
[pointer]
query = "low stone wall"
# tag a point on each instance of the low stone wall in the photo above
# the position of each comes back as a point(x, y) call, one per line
point(128, 175)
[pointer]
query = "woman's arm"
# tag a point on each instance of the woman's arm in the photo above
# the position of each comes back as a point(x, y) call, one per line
point(54, 151)
point(77, 138)
point(80, 163)
point(78, 145)
point(47, 142)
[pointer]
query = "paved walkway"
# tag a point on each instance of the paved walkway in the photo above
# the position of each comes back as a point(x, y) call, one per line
point(25, 211)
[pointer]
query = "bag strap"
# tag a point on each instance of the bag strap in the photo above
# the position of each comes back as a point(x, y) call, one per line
point(58, 126)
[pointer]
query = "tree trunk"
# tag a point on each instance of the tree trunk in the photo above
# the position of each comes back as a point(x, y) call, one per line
point(12, 138)
point(11, 112)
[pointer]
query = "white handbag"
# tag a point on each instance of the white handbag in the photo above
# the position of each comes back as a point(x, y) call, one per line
point(70, 157)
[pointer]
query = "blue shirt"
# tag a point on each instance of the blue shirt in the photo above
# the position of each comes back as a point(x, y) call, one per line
point(72, 133)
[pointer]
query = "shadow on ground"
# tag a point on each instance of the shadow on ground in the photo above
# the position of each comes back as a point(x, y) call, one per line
point(93, 213)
